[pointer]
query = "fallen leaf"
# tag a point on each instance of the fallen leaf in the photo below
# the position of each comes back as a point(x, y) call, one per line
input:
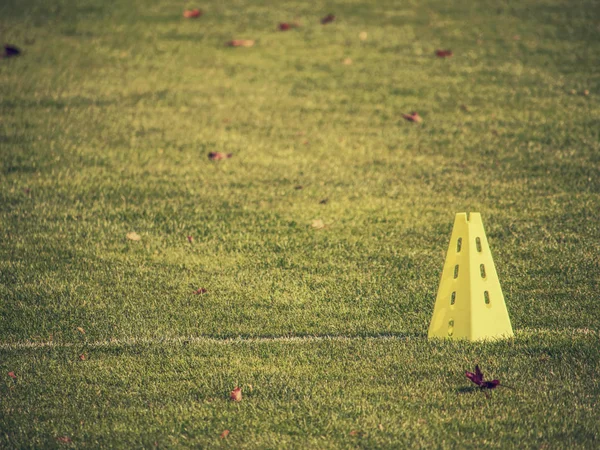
point(10, 51)
point(380, 426)
point(516, 37)
point(353, 433)
point(200, 291)
point(348, 61)
point(586, 92)
point(82, 357)
point(190, 239)
point(217, 156)
point(250, 387)
point(12, 375)
point(133, 236)
point(363, 35)
point(284, 26)
point(81, 330)
point(192, 13)
point(327, 19)
point(413, 117)
point(236, 395)
point(241, 43)
point(224, 434)
point(317, 224)
point(444, 53)
point(64, 439)
point(477, 378)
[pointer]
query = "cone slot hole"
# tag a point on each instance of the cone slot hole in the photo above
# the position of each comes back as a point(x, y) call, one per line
point(458, 245)
point(482, 270)
point(486, 296)
point(453, 298)
point(456, 271)
point(478, 244)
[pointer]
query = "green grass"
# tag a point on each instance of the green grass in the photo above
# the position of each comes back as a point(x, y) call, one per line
point(106, 121)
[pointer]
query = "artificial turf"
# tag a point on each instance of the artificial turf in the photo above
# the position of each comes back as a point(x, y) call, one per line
point(106, 121)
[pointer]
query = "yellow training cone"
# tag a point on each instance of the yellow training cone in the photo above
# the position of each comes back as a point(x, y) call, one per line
point(469, 303)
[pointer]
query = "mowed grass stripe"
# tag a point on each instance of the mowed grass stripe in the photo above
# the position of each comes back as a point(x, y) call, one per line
point(190, 340)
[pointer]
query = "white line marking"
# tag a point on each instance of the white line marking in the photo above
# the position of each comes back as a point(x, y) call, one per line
point(128, 342)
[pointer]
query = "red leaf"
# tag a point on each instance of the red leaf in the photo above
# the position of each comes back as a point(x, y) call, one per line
point(200, 291)
point(10, 51)
point(82, 357)
point(224, 434)
point(413, 117)
point(444, 53)
point(217, 156)
point(236, 395)
point(190, 239)
point(192, 13)
point(284, 26)
point(327, 19)
point(12, 375)
point(478, 379)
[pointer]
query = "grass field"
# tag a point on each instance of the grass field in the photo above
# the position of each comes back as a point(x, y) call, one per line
point(106, 121)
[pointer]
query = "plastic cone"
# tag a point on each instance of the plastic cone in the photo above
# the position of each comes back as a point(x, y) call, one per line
point(469, 303)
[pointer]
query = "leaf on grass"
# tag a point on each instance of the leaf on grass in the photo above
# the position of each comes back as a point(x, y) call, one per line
point(236, 394)
point(64, 439)
point(81, 330)
point(224, 434)
point(380, 426)
point(190, 239)
point(284, 26)
point(353, 433)
point(200, 291)
point(10, 51)
point(347, 61)
point(444, 53)
point(82, 357)
point(317, 224)
point(217, 156)
point(477, 378)
point(12, 375)
point(192, 13)
point(241, 43)
point(327, 19)
point(133, 236)
point(413, 117)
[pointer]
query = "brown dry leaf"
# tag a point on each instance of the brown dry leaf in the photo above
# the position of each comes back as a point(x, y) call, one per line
point(317, 224)
point(82, 357)
point(217, 156)
point(380, 426)
point(236, 394)
point(241, 43)
point(81, 330)
point(413, 117)
point(586, 92)
point(347, 61)
point(444, 53)
point(64, 439)
point(327, 19)
point(133, 236)
point(190, 239)
point(192, 13)
point(12, 375)
point(224, 434)
point(200, 291)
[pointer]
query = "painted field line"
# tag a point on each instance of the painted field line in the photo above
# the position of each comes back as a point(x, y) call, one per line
point(190, 340)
